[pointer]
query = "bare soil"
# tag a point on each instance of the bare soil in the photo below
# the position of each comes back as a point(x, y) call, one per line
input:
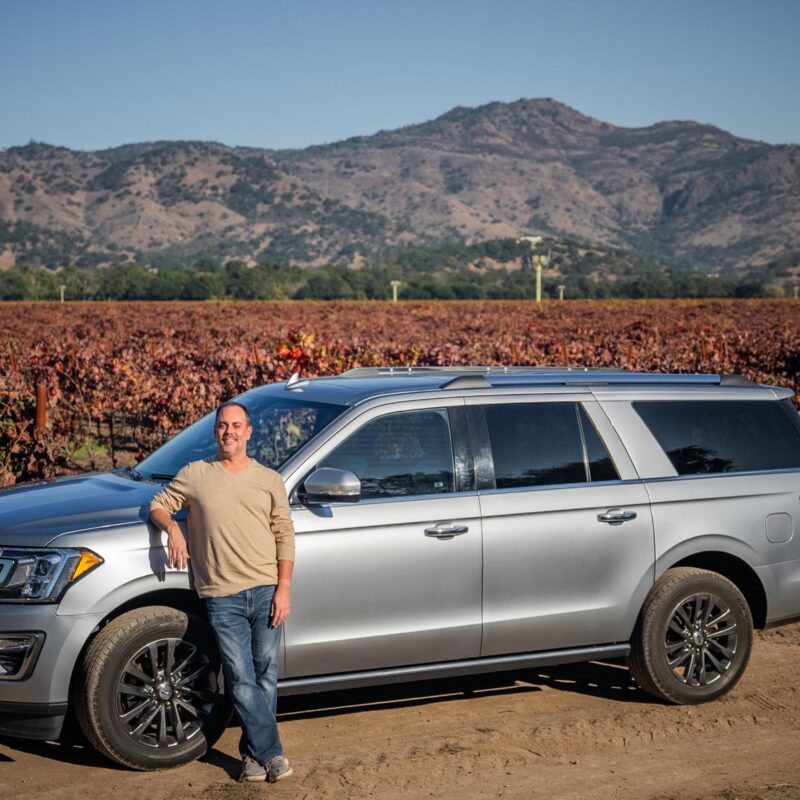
point(581, 731)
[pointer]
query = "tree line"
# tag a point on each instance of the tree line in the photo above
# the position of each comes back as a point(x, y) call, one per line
point(234, 279)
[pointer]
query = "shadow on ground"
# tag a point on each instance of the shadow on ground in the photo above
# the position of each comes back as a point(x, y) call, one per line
point(608, 680)
point(68, 751)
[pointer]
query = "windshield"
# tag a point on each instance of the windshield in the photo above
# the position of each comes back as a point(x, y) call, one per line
point(280, 428)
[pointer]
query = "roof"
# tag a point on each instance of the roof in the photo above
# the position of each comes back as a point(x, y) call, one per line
point(357, 385)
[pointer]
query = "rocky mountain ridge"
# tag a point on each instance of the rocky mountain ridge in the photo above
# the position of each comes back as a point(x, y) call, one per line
point(675, 192)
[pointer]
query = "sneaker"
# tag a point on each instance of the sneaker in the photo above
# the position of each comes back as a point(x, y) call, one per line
point(252, 771)
point(277, 769)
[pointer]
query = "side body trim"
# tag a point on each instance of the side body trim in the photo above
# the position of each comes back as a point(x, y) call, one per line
point(472, 666)
point(776, 623)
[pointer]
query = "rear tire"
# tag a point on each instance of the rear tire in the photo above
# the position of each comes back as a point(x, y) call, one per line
point(149, 695)
point(693, 637)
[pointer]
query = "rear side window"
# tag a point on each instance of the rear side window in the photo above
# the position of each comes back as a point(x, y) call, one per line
point(541, 444)
point(705, 436)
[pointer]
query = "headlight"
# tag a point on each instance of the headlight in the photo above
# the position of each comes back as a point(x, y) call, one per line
point(41, 575)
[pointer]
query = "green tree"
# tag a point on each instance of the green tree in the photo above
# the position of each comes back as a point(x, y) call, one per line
point(13, 286)
point(125, 282)
point(79, 283)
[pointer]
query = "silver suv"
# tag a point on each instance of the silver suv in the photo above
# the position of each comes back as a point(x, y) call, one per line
point(449, 521)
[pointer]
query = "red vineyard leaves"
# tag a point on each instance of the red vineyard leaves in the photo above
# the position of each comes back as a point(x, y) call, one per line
point(127, 376)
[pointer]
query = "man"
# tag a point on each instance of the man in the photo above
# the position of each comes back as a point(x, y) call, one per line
point(241, 545)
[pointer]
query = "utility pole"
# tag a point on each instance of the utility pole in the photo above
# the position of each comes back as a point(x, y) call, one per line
point(536, 261)
point(541, 262)
point(395, 286)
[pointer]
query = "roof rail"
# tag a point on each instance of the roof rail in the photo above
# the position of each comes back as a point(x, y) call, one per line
point(485, 376)
point(383, 372)
point(467, 382)
point(735, 380)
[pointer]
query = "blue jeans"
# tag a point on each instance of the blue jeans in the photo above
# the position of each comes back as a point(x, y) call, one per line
point(249, 648)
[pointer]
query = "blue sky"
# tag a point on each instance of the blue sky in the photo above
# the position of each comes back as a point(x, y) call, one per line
point(90, 74)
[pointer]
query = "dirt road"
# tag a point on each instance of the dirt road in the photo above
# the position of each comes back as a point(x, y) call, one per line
point(573, 732)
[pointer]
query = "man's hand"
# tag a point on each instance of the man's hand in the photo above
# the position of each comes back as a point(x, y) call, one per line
point(176, 548)
point(177, 552)
point(281, 605)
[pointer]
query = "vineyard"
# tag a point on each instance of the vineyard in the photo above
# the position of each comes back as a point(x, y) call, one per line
point(97, 385)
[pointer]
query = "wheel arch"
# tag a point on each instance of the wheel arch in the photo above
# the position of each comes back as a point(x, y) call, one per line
point(736, 570)
point(185, 600)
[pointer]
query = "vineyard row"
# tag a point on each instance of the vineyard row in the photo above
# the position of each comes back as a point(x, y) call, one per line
point(103, 384)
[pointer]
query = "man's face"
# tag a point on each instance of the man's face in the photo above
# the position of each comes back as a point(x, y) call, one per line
point(232, 432)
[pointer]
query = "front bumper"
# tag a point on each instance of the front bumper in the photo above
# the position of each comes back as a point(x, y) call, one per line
point(32, 720)
point(46, 684)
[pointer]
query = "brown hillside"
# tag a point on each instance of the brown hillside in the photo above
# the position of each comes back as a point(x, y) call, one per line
point(679, 192)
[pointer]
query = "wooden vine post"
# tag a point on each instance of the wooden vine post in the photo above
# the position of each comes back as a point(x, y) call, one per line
point(41, 407)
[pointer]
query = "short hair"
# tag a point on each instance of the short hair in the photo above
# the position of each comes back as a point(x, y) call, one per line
point(230, 404)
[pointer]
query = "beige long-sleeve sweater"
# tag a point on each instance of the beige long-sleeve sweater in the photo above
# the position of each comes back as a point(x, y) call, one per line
point(239, 525)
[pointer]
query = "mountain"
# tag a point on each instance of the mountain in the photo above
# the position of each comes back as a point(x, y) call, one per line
point(675, 192)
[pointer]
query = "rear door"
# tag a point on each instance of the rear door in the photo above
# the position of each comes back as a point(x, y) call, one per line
point(568, 534)
point(394, 579)
point(730, 480)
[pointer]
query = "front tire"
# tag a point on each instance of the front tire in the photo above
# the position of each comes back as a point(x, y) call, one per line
point(149, 695)
point(693, 637)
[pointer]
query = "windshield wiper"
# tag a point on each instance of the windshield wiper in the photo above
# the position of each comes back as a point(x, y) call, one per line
point(129, 472)
point(157, 476)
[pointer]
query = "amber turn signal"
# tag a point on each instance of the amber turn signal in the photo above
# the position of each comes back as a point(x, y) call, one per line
point(88, 561)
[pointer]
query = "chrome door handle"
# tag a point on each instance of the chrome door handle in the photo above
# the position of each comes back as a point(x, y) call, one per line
point(616, 516)
point(446, 531)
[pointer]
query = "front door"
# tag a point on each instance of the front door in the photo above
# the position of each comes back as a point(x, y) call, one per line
point(394, 579)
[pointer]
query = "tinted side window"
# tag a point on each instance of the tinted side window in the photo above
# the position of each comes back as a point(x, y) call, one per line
point(706, 436)
point(397, 455)
point(277, 435)
point(535, 444)
point(791, 412)
point(601, 467)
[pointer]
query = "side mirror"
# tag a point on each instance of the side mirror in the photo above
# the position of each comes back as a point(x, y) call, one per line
point(329, 485)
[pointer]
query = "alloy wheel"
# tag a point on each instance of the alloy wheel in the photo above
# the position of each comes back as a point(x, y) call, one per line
point(700, 640)
point(164, 693)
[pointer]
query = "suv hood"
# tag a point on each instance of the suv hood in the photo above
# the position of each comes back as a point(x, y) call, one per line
point(33, 514)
